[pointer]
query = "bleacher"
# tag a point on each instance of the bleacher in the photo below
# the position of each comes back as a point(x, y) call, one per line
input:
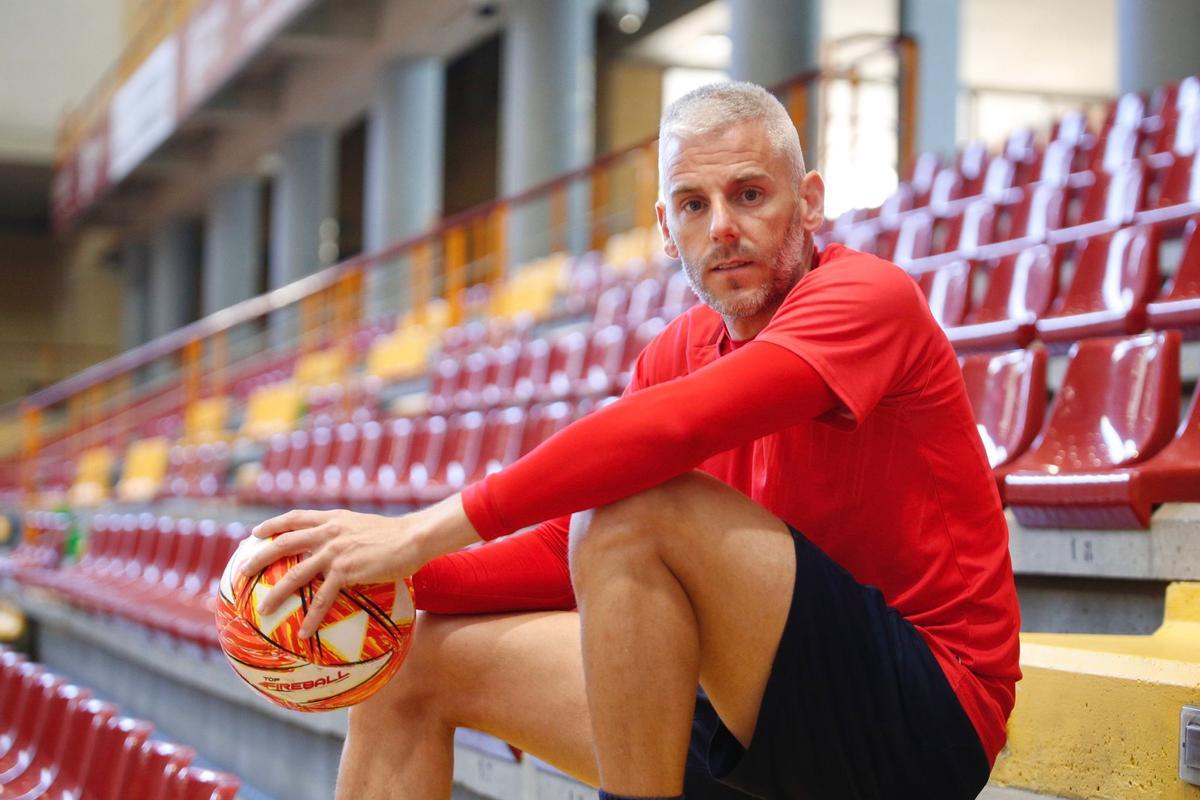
point(1066, 272)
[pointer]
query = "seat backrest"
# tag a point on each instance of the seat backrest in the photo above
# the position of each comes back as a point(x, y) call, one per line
point(1118, 405)
point(1008, 396)
point(428, 442)
point(365, 468)
point(1186, 283)
point(10, 680)
point(395, 452)
point(645, 301)
point(196, 580)
point(39, 709)
point(501, 441)
point(154, 769)
point(1021, 286)
point(77, 754)
point(914, 239)
point(1039, 211)
point(187, 553)
point(116, 745)
point(948, 292)
point(347, 445)
point(61, 716)
point(545, 420)
point(195, 783)
point(460, 452)
point(1116, 271)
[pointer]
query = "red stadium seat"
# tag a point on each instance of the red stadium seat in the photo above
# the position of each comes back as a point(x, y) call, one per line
point(61, 718)
point(948, 291)
point(194, 783)
point(153, 771)
point(77, 756)
point(1019, 290)
point(457, 460)
point(1179, 195)
point(345, 452)
point(1179, 306)
point(413, 452)
point(1112, 201)
point(1119, 405)
point(1116, 275)
point(39, 688)
point(602, 363)
point(117, 747)
point(1008, 395)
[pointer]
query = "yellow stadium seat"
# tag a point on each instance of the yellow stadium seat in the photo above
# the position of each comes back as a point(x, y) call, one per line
point(93, 477)
point(144, 470)
point(321, 367)
point(402, 354)
point(272, 409)
point(206, 419)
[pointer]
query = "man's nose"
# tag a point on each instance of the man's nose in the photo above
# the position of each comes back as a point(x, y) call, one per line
point(722, 226)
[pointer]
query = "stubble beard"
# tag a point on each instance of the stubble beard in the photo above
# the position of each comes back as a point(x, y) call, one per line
point(787, 267)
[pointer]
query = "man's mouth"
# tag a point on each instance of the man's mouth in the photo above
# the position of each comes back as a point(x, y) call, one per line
point(729, 266)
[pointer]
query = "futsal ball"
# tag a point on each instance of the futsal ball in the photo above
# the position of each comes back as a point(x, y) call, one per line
point(359, 646)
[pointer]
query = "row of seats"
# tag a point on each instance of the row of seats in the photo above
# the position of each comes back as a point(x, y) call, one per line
point(1112, 447)
point(402, 461)
point(1113, 290)
point(157, 571)
point(57, 741)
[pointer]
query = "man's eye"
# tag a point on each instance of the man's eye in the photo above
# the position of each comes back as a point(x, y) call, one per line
point(751, 195)
point(691, 205)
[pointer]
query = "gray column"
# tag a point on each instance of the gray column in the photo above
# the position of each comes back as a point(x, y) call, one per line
point(774, 40)
point(231, 241)
point(1156, 42)
point(134, 323)
point(935, 24)
point(174, 259)
point(403, 174)
point(548, 109)
point(304, 197)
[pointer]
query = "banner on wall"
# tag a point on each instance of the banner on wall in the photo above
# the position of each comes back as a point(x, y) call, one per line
point(180, 74)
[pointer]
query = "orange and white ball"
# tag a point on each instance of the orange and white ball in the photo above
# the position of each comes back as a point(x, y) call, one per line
point(356, 650)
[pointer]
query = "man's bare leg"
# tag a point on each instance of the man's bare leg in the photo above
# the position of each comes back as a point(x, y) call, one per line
point(516, 676)
point(689, 580)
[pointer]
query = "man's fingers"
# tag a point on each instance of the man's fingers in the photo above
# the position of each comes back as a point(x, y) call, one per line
point(292, 520)
point(322, 602)
point(293, 579)
point(305, 540)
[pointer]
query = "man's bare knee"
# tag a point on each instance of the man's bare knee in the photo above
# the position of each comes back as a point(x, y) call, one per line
point(629, 529)
point(417, 689)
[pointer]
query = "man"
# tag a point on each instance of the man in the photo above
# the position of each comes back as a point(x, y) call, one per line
point(793, 511)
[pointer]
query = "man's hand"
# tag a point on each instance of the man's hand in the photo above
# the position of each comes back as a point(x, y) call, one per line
point(346, 548)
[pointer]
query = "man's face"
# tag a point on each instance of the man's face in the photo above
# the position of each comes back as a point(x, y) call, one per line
point(734, 216)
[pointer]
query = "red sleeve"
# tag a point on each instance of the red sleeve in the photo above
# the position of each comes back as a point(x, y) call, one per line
point(649, 437)
point(863, 325)
point(525, 572)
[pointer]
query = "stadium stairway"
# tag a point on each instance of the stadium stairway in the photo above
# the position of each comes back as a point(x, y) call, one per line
point(1100, 716)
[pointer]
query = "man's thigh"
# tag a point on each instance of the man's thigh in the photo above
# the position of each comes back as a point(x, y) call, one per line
point(518, 677)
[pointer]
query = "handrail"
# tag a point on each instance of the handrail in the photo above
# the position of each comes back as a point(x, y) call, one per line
point(449, 231)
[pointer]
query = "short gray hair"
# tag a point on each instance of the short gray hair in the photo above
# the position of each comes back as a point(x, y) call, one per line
point(720, 105)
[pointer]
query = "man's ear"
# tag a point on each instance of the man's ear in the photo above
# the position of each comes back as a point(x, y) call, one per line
point(668, 241)
point(812, 195)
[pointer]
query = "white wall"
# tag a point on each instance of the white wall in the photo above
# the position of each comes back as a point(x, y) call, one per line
point(52, 52)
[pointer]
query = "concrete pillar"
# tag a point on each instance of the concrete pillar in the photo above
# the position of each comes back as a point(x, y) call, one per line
point(304, 197)
point(174, 260)
point(134, 323)
point(403, 174)
point(936, 25)
point(547, 114)
point(231, 241)
point(774, 40)
point(1156, 42)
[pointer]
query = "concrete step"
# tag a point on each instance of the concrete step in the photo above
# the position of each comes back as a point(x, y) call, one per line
point(1099, 715)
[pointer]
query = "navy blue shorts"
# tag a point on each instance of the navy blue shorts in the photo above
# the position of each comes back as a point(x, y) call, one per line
point(856, 707)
